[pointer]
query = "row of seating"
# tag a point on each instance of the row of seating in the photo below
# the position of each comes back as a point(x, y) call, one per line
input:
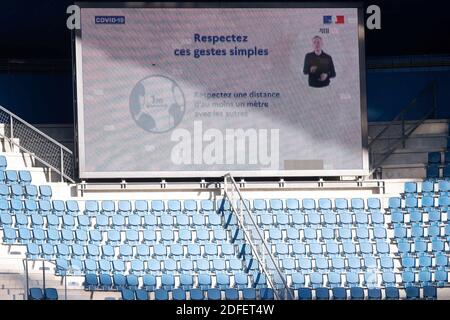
point(29, 191)
point(42, 294)
point(412, 202)
point(427, 188)
point(434, 172)
point(22, 177)
point(338, 293)
point(436, 157)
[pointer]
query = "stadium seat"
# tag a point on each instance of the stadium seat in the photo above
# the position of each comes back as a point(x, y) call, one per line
point(339, 293)
point(304, 294)
point(412, 293)
point(35, 294)
point(433, 171)
point(430, 292)
point(357, 293)
point(392, 293)
point(45, 192)
point(322, 293)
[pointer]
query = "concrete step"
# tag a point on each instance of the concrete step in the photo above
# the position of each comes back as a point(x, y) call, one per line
point(435, 126)
point(403, 171)
point(419, 142)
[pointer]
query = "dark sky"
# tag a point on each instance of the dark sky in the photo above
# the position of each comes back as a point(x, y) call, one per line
point(37, 29)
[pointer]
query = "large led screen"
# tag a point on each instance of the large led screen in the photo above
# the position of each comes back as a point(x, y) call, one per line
point(174, 92)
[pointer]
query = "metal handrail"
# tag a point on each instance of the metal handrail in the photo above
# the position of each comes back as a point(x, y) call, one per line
point(400, 118)
point(432, 84)
point(61, 148)
point(253, 247)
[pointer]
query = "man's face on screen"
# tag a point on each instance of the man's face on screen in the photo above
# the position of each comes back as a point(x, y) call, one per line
point(317, 44)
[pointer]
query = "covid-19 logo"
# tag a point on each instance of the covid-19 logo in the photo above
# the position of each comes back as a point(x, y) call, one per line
point(157, 104)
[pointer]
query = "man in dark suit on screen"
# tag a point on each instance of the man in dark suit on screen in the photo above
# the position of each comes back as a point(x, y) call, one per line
point(318, 65)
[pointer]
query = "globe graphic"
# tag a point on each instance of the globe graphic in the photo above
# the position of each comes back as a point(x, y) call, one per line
point(157, 104)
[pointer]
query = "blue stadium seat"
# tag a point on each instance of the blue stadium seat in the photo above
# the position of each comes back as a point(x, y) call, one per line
point(222, 280)
point(276, 206)
point(430, 292)
point(52, 221)
point(178, 294)
point(248, 294)
point(90, 281)
point(427, 188)
point(352, 279)
point(357, 204)
point(339, 293)
point(45, 192)
point(410, 189)
point(11, 176)
point(105, 281)
point(167, 281)
point(91, 208)
point(72, 207)
point(322, 293)
point(231, 294)
point(149, 282)
point(316, 279)
point(412, 293)
point(433, 171)
point(374, 294)
point(124, 207)
point(108, 208)
point(304, 294)
point(196, 294)
point(388, 279)
point(206, 206)
point(3, 163)
point(334, 279)
point(143, 294)
point(141, 207)
point(392, 293)
point(127, 294)
point(174, 206)
point(119, 280)
point(444, 187)
point(16, 192)
point(292, 206)
point(214, 294)
point(434, 157)
point(35, 294)
point(204, 281)
point(44, 207)
point(357, 293)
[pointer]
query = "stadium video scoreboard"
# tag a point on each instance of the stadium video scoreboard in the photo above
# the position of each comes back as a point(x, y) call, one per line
point(206, 89)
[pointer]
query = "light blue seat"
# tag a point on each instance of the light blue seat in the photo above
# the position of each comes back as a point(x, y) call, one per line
point(95, 237)
point(62, 265)
point(16, 191)
point(90, 266)
point(332, 248)
point(292, 235)
point(16, 206)
point(371, 279)
point(410, 188)
point(142, 252)
point(408, 262)
point(288, 265)
point(202, 265)
point(47, 251)
point(223, 206)
point(33, 252)
point(132, 281)
point(154, 266)
point(81, 236)
point(281, 250)
point(133, 221)
point(365, 248)
point(107, 252)
point(45, 207)
point(444, 188)
point(167, 281)
point(186, 281)
point(174, 206)
point(160, 251)
point(259, 206)
point(444, 203)
point(344, 233)
point(167, 236)
point(3, 163)
point(310, 234)
point(210, 250)
point(150, 221)
point(193, 250)
point(330, 218)
point(206, 206)
point(68, 222)
point(11, 176)
point(425, 262)
point(108, 208)
point(39, 235)
point(125, 252)
point(352, 279)
point(118, 266)
point(327, 234)
point(403, 246)
point(265, 220)
point(78, 251)
point(305, 264)
point(30, 206)
point(204, 281)
point(420, 246)
point(182, 221)
point(202, 235)
point(178, 294)
point(53, 235)
point(427, 188)
point(362, 233)
point(235, 265)
point(241, 280)
point(4, 191)
point(338, 263)
point(214, 221)
point(58, 207)
point(437, 245)
point(441, 260)
point(399, 232)
point(357, 204)
point(76, 267)
point(118, 222)
point(176, 251)
point(349, 248)
point(292, 206)
point(415, 216)
point(314, 219)
point(386, 263)
point(141, 207)
point(198, 220)
point(113, 237)
point(25, 177)
point(441, 277)
point(36, 220)
point(91, 208)
point(408, 278)
point(298, 280)
point(325, 204)
point(184, 236)
point(101, 222)
point(167, 220)
point(275, 235)
point(124, 207)
point(361, 218)
point(222, 280)
point(315, 248)
point(227, 250)
point(161, 294)
point(72, 207)
point(334, 279)
point(276, 206)
point(219, 236)
point(67, 236)
point(131, 237)
point(321, 263)
point(186, 265)
point(379, 233)
point(92, 252)
point(83, 222)
point(298, 249)
point(316, 279)
point(354, 263)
